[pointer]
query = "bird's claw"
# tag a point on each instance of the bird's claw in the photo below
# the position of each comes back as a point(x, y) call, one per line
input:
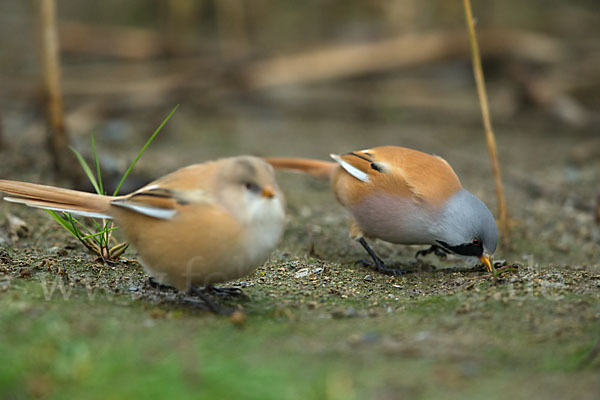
point(203, 302)
point(225, 291)
point(380, 266)
point(157, 285)
point(437, 250)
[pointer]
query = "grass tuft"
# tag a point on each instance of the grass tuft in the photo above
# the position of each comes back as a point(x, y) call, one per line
point(101, 241)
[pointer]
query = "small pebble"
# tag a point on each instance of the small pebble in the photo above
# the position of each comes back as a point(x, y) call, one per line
point(302, 273)
point(25, 273)
point(370, 337)
point(157, 313)
point(238, 318)
point(149, 323)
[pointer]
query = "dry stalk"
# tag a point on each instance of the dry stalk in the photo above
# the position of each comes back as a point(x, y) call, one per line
point(181, 16)
point(598, 207)
point(1, 130)
point(485, 113)
point(57, 138)
point(231, 26)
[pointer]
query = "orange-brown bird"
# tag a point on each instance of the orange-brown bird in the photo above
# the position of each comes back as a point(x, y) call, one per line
point(202, 224)
point(405, 196)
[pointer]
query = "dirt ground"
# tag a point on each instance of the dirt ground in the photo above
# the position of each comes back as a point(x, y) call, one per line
point(316, 324)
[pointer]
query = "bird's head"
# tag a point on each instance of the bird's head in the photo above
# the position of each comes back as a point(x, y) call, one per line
point(467, 228)
point(247, 188)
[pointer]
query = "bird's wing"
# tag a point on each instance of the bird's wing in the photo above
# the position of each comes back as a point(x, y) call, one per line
point(163, 198)
point(162, 203)
point(197, 176)
point(403, 172)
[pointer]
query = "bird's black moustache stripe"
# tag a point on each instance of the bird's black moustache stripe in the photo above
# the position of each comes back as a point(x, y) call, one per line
point(467, 249)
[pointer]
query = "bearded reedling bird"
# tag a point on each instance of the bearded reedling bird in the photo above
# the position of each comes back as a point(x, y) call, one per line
point(202, 224)
point(404, 196)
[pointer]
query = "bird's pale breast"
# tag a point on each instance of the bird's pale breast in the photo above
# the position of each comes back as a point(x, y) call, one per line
point(393, 219)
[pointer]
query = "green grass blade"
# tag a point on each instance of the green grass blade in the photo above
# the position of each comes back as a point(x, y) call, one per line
point(86, 169)
point(62, 223)
point(98, 233)
point(102, 240)
point(144, 149)
point(74, 222)
point(98, 174)
point(98, 240)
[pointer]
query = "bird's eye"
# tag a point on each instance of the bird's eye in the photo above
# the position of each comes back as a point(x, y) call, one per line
point(253, 187)
point(476, 242)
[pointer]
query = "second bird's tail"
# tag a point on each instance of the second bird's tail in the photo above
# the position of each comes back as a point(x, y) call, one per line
point(317, 168)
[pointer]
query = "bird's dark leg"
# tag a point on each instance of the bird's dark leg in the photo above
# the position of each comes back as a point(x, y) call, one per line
point(379, 264)
point(437, 250)
point(157, 285)
point(226, 291)
point(205, 303)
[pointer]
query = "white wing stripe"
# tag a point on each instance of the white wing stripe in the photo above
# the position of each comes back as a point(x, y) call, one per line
point(352, 170)
point(160, 213)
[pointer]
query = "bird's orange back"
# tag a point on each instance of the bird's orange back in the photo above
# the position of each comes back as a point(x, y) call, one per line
point(397, 171)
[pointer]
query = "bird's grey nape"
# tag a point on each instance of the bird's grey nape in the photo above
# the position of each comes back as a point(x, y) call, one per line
point(465, 217)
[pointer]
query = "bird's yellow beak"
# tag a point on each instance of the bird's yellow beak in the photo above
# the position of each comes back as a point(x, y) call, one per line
point(485, 259)
point(268, 192)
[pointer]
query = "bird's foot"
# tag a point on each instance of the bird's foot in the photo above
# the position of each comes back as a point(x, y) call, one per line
point(437, 250)
point(202, 301)
point(225, 291)
point(384, 269)
point(380, 266)
point(157, 285)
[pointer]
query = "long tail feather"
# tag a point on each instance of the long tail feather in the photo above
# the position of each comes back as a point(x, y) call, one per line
point(53, 198)
point(317, 168)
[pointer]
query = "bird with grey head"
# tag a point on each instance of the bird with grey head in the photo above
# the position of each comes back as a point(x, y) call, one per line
point(405, 196)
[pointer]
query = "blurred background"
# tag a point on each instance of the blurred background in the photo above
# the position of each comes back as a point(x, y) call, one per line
point(309, 78)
